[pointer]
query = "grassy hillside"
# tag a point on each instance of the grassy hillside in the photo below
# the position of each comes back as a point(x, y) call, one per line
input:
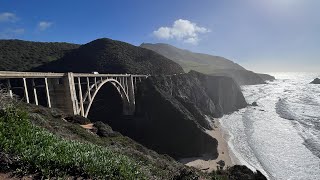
point(39, 141)
point(110, 56)
point(17, 55)
point(192, 61)
point(208, 64)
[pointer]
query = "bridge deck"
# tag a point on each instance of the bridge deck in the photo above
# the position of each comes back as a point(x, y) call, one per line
point(13, 74)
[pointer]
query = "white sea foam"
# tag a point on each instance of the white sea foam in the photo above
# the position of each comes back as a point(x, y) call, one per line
point(280, 137)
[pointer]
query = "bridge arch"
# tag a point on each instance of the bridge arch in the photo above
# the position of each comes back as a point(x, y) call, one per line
point(120, 89)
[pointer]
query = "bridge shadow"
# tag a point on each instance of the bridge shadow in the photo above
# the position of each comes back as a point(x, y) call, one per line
point(108, 107)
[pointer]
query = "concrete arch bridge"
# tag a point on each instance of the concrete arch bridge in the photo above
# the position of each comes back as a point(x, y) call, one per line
point(73, 93)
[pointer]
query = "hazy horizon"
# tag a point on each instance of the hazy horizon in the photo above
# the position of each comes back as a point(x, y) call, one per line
point(262, 36)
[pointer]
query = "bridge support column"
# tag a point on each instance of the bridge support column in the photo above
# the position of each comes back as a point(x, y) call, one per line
point(35, 92)
point(72, 96)
point(25, 87)
point(131, 95)
point(64, 94)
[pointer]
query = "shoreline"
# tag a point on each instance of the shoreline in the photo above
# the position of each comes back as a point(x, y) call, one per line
point(205, 162)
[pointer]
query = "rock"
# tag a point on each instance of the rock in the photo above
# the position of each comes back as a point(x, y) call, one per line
point(315, 81)
point(78, 119)
point(103, 130)
point(254, 104)
point(221, 164)
point(175, 108)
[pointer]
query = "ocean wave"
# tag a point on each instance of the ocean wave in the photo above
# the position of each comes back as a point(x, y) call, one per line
point(283, 110)
point(281, 135)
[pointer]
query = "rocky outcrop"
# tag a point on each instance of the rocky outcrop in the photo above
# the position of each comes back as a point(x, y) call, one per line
point(315, 81)
point(245, 77)
point(242, 77)
point(175, 110)
point(104, 130)
point(267, 77)
point(110, 56)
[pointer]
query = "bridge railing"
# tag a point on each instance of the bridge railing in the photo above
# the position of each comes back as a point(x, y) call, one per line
point(13, 74)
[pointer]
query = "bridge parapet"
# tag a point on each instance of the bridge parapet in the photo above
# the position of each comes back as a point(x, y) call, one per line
point(73, 93)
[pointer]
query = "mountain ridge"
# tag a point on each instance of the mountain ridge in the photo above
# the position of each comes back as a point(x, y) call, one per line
point(197, 57)
point(111, 56)
point(208, 64)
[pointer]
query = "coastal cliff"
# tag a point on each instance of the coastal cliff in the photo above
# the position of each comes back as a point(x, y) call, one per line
point(208, 64)
point(244, 77)
point(176, 111)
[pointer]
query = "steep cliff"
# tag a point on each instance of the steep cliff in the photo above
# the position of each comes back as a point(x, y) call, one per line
point(175, 110)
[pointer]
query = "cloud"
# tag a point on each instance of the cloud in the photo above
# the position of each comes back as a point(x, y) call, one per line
point(182, 30)
point(11, 33)
point(43, 25)
point(8, 17)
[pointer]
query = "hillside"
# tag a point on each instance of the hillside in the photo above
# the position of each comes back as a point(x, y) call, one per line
point(43, 143)
point(190, 60)
point(208, 64)
point(110, 56)
point(18, 55)
point(178, 130)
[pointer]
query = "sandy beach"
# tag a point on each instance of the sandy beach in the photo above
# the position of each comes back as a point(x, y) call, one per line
point(205, 162)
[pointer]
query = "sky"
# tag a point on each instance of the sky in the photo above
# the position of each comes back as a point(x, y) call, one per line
point(261, 35)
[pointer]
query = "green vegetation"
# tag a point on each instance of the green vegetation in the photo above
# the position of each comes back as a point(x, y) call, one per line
point(17, 55)
point(39, 151)
point(153, 164)
point(110, 56)
point(39, 141)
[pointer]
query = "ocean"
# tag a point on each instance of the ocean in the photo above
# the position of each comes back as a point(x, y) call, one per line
point(281, 136)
